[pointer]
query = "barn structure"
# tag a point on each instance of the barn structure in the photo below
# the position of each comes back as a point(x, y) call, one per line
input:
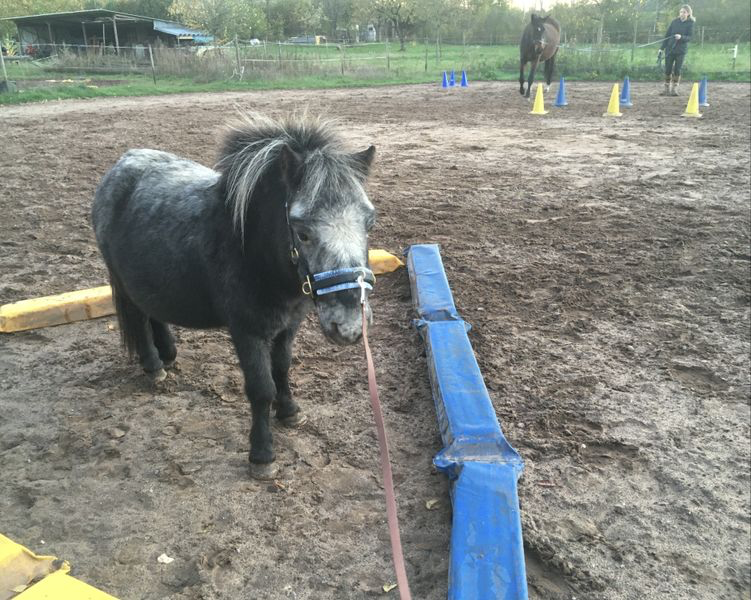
point(41, 35)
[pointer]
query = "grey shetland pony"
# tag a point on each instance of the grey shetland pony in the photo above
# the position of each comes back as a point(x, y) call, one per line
point(278, 229)
point(540, 40)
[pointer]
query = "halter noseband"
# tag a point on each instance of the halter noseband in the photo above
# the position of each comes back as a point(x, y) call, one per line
point(328, 282)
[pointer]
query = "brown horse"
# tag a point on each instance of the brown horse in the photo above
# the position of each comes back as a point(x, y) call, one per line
point(539, 42)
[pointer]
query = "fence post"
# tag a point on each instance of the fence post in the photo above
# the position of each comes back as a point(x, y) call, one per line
point(151, 60)
point(735, 55)
point(342, 47)
point(280, 55)
point(702, 35)
point(237, 60)
point(388, 57)
point(426, 56)
point(636, 29)
point(5, 73)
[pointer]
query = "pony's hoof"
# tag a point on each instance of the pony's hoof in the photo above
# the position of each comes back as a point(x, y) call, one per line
point(264, 471)
point(158, 376)
point(294, 420)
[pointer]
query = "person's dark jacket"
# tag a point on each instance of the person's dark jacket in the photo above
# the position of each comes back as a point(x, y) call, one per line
point(686, 29)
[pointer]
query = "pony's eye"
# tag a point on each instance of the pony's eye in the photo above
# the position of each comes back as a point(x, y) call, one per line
point(303, 237)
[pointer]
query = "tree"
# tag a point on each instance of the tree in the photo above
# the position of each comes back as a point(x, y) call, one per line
point(401, 14)
point(224, 19)
point(337, 14)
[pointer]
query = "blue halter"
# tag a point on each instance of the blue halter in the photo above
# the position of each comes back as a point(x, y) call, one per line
point(328, 282)
point(337, 280)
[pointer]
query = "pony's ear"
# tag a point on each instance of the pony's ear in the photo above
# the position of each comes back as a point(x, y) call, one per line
point(364, 160)
point(290, 164)
point(533, 17)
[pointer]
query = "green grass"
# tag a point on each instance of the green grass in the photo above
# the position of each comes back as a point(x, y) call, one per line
point(305, 67)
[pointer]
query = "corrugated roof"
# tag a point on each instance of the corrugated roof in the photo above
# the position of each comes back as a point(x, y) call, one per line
point(181, 31)
point(100, 14)
point(79, 15)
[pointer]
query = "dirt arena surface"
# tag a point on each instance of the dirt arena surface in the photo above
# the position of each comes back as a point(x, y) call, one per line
point(604, 267)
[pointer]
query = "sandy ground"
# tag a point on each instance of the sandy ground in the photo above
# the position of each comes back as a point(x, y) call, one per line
point(604, 266)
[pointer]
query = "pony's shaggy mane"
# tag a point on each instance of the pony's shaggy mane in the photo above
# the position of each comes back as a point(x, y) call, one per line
point(255, 143)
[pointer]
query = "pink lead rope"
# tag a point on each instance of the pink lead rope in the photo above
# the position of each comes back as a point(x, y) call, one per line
point(388, 481)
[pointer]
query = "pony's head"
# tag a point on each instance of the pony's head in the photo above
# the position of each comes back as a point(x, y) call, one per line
point(538, 33)
point(327, 214)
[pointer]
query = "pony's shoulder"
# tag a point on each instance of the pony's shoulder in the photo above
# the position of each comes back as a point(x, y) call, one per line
point(550, 19)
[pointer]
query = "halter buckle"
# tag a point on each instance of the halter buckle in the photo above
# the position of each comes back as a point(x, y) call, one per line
point(294, 255)
point(307, 287)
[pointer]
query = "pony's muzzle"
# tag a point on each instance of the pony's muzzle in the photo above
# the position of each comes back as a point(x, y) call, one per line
point(341, 317)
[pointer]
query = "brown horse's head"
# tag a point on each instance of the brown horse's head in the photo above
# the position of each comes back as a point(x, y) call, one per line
point(538, 33)
point(544, 35)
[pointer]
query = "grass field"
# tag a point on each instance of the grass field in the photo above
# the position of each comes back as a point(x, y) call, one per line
point(280, 66)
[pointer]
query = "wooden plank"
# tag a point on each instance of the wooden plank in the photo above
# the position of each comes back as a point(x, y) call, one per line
point(97, 302)
point(56, 310)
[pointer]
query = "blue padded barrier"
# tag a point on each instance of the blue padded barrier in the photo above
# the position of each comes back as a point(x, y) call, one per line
point(487, 551)
point(466, 418)
point(432, 297)
point(487, 554)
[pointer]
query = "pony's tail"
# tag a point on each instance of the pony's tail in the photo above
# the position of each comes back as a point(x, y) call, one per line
point(130, 318)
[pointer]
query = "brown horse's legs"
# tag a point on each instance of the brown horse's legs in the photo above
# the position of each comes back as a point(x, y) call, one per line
point(531, 76)
point(549, 66)
point(521, 77)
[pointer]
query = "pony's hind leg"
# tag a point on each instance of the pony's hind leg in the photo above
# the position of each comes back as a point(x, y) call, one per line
point(287, 410)
point(164, 342)
point(136, 332)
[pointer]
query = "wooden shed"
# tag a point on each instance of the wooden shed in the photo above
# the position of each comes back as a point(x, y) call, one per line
point(41, 35)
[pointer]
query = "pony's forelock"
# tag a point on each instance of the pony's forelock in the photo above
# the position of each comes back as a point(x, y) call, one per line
point(254, 143)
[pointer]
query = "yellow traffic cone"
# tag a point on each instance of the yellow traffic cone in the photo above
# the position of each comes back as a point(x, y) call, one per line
point(614, 103)
point(692, 108)
point(539, 106)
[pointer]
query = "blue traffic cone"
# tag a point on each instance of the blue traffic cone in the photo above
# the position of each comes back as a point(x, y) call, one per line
point(625, 99)
point(464, 83)
point(561, 98)
point(703, 92)
point(445, 83)
point(452, 79)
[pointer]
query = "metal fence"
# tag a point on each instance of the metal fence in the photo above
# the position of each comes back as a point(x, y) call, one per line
point(247, 61)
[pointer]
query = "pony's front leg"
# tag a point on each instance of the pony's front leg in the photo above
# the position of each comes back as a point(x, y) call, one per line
point(255, 360)
point(287, 410)
point(549, 66)
point(521, 78)
point(532, 70)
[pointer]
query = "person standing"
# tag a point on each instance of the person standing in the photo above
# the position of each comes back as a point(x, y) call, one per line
point(675, 46)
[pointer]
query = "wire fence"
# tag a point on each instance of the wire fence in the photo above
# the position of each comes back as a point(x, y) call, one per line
point(258, 60)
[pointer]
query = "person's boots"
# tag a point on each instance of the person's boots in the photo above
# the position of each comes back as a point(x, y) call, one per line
point(674, 87)
point(666, 91)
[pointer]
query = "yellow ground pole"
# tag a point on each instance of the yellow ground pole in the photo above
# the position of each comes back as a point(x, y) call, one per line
point(97, 302)
point(28, 576)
